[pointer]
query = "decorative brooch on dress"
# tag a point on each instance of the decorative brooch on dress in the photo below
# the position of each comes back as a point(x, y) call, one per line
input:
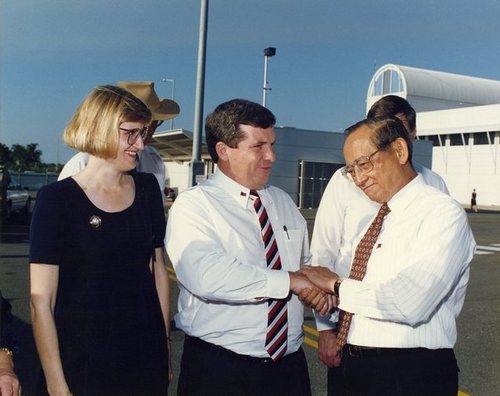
point(95, 221)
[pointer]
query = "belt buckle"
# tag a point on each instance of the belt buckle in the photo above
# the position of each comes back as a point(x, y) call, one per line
point(354, 351)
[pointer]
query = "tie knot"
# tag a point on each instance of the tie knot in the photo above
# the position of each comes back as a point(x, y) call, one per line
point(384, 210)
point(256, 199)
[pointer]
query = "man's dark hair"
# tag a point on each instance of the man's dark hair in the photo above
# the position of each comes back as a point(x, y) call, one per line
point(223, 125)
point(385, 131)
point(391, 106)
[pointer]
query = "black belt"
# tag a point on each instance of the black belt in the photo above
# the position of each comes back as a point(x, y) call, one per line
point(208, 346)
point(363, 351)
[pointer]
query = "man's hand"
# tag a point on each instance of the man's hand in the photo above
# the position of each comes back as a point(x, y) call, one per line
point(9, 384)
point(316, 299)
point(322, 277)
point(308, 297)
point(328, 350)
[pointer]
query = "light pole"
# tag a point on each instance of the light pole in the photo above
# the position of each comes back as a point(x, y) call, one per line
point(171, 80)
point(268, 52)
point(197, 170)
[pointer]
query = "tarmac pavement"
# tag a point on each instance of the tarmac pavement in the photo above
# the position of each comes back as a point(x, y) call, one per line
point(477, 349)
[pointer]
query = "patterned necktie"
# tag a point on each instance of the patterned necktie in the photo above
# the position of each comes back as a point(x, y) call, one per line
point(358, 268)
point(277, 316)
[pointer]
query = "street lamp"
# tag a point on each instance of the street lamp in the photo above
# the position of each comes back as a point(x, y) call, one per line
point(170, 80)
point(268, 52)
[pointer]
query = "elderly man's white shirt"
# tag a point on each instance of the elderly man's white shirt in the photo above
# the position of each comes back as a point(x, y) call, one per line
point(215, 244)
point(417, 274)
point(344, 211)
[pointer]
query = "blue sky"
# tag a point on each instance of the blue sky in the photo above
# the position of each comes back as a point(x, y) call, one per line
point(53, 52)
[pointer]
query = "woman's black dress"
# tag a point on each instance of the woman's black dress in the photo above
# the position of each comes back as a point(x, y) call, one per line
point(108, 317)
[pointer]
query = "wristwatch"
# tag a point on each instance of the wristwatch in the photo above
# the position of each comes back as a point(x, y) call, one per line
point(336, 287)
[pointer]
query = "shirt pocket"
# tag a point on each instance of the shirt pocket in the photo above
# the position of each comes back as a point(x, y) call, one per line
point(293, 244)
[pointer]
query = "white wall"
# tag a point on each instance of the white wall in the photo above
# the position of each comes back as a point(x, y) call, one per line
point(462, 175)
point(178, 175)
point(471, 166)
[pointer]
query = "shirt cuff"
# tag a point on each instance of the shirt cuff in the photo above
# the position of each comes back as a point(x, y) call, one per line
point(278, 284)
point(347, 292)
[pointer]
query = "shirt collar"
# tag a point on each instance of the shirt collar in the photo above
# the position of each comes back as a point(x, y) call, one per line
point(240, 193)
point(406, 195)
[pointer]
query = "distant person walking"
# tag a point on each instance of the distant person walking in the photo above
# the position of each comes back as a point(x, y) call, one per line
point(473, 201)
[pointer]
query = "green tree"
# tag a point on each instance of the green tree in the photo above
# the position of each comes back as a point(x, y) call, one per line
point(26, 157)
point(5, 154)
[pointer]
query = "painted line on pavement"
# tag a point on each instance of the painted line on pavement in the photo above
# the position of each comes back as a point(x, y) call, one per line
point(492, 248)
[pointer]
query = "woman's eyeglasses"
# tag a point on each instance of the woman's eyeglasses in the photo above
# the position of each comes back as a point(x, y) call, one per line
point(133, 134)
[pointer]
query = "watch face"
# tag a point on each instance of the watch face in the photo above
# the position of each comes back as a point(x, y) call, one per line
point(336, 287)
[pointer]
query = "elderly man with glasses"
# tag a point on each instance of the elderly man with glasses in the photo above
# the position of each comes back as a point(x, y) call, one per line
point(342, 214)
point(148, 160)
point(406, 283)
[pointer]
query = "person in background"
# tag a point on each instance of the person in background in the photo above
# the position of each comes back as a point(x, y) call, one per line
point(149, 159)
point(473, 201)
point(343, 212)
point(396, 106)
point(408, 278)
point(236, 244)
point(9, 383)
point(4, 184)
point(99, 286)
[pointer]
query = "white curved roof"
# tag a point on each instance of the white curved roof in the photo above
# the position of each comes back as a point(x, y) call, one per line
point(432, 90)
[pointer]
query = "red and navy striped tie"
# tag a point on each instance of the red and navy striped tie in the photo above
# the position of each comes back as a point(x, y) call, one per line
point(277, 317)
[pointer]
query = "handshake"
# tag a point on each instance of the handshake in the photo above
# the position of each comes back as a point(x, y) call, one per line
point(314, 287)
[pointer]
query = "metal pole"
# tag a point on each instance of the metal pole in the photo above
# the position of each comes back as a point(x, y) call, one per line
point(173, 98)
point(171, 80)
point(268, 52)
point(196, 165)
point(264, 93)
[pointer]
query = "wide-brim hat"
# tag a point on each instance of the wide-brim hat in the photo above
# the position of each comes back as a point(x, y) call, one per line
point(164, 109)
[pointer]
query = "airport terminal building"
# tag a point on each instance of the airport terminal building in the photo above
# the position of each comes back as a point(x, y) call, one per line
point(458, 130)
point(460, 115)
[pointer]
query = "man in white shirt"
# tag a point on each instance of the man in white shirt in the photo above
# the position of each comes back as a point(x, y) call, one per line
point(403, 329)
point(148, 160)
point(343, 212)
point(216, 245)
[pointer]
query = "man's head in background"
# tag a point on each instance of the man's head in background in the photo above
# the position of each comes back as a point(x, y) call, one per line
point(395, 106)
point(161, 109)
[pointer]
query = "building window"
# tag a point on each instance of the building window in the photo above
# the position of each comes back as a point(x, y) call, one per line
point(388, 82)
point(313, 181)
point(456, 139)
point(436, 140)
point(480, 138)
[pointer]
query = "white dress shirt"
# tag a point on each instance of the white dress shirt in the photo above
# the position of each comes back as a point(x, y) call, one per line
point(215, 244)
point(430, 177)
point(149, 161)
point(417, 274)
point(344, 211)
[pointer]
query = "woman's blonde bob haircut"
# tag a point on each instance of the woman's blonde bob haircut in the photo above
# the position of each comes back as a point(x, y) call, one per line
point(95, 126)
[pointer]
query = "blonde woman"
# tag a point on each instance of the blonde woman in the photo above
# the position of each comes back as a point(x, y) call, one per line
point(99, 288)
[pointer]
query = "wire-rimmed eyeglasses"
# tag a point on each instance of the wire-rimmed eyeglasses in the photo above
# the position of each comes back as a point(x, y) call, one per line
point(362, 165)
point(133, 134)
